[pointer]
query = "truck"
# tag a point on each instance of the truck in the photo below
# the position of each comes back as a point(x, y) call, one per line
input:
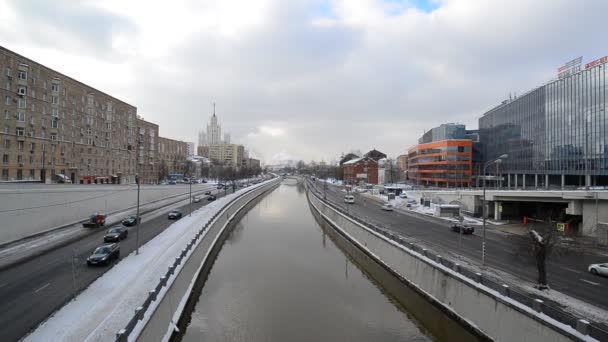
point(95, 220)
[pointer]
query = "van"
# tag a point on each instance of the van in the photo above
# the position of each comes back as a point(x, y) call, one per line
point(350, 199)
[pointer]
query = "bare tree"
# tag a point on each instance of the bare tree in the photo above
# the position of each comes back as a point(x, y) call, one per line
point(545, 242)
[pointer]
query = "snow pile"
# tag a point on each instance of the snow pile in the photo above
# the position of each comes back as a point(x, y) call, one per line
point(106, 306)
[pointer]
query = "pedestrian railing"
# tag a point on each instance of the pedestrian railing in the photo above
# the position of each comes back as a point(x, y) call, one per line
point(584, 326)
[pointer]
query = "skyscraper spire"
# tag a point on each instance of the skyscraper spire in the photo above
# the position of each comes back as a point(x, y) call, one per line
point(213, 108)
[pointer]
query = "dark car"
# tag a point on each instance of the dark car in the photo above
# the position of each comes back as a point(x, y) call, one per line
point(220, 186)
point(211, 198)
point(207, 192)
point(175, 215)
point(466, 229)
point(116, 234)
point(103, 255)
point(131, 221)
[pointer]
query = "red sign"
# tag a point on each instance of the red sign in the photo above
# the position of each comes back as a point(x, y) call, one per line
point(596, 62)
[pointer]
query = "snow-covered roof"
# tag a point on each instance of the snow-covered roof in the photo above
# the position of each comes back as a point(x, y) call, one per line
point(353, 161)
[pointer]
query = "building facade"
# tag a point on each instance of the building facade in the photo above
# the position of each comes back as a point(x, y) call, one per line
point(214, 130)
point(443, 157)
point(228, 154)
point(172, 156)
point(147, 156)
point(554, 135)
point(203, 151)
point(361, 170)
point(55, 128)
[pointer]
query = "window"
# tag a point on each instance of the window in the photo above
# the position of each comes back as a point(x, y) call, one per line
point(19, 174)
point(31, 159)
point(33, 107)
point(5, 159)
point(22, 90)
point(7, 100)
point(9, 71)
point(20, 131)
point(89, 141)
point(32, 175)
point(20, 145)
point(32, 146)
point(54, 138)
point(8, 85)
point(54, 123)
point(55, 99)
point(32, 120)
point(22, 75)
point(21, 116)
point(55, 87)
point(55, 112)
point(7, 115)
point(19, 159)
point(7, 143)
point(21, 103)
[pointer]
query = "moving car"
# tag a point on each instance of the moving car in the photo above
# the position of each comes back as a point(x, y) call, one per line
point(466, 228)
point(599, 269)
point(196, 199)
point(116, 234)
point(95, 220)
point(207, 192)
point(387, 207)
point(220, 186)
point(349, 199)
point(102, 255)
point(403, 195)
point(172, 182)
point(211, 198)
point(175, 215)
point(130, 221)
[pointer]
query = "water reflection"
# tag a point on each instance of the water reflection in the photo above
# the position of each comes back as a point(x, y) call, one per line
point(275, 282)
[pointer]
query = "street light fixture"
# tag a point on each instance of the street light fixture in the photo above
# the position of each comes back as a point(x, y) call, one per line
point(484, 214)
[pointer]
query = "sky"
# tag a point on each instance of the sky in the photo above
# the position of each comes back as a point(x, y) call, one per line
point(308, 79)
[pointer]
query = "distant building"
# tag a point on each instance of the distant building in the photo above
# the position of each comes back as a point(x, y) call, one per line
point(361, 170)
point(214, 130)
point(402, 162)
point(226, 138)
point(375, 155)
point(172, 154)
point(147, 152)
point(228, 154)
point(251, 163)
point(202, 138)
point(443, 157)
point(349, 156)
point(203, 151)
point(191, 148)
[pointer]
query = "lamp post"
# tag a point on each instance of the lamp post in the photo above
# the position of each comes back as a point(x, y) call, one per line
point(483, 243)
point(190, 197)
point(137, 217)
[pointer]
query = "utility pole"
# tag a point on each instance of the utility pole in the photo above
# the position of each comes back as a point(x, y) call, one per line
point(74, 259)
point(484, 214)
point(190, 197)
point(137, 217)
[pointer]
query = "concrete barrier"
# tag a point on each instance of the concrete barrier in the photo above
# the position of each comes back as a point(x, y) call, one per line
point(160, 314)
point(486, 310)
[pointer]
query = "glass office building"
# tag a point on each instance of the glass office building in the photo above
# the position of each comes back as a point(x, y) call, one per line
point(555, 135)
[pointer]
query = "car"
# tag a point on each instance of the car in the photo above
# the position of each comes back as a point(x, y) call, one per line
point(403, 195)
point(116, 234)
point(175, 215)
point(466, 228)
point(172, 182)
point(349, 199)
point(598, 269)
point(203, 181)
point(104, 254)
point(130, 221)
point(220, 186)
point(211, 198)
point(207, 192)
point(387, 207)
point(196, 199)
point(408, 205)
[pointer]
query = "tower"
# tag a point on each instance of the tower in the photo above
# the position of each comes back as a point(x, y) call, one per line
point(214, 130)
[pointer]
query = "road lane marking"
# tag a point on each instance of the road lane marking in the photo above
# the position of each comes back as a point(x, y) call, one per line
point(590, 282)
point(570, 269)
point(42, 288)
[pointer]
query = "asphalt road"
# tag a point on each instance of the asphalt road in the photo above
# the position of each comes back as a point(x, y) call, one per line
point(32, 291)
point(506, 252)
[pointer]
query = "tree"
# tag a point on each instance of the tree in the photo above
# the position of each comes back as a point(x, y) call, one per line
point(163, 170)
point(545, 241)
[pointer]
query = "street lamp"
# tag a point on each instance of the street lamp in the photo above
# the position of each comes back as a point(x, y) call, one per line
point(484, 214)
point(137, 217)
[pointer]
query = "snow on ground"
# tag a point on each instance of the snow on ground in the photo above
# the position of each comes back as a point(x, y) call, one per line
point(107, 305)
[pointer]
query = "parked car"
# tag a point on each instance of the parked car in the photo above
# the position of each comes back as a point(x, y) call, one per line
point(102, 255)
point(220, 186)
point(196, 199)
point(598, 269)
point(211, 198)
point(172, 182)
point(403, 195)
point(387, 207)
point(349, 199)
point(207, 192)
point(130, 221)
point(466, 228)
point(116, 234)
point(175, 215)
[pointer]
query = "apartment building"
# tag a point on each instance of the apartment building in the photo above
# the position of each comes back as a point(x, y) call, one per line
point(229, 154)
point(172, 155)
point(147, 156)
point(55, 128)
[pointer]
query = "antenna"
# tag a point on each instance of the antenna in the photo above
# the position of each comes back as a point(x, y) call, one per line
point(214, 108)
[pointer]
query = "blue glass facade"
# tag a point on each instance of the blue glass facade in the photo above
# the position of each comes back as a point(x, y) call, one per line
point(559, 129)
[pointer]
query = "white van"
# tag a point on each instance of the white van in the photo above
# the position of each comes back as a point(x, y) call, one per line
point(350, 199)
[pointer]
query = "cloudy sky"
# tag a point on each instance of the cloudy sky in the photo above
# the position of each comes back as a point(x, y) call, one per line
point(308, 78)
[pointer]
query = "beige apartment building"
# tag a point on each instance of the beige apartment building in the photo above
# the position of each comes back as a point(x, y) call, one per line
point(55, 128)
point(229, 154)
point(147, 156)
point(172, 155)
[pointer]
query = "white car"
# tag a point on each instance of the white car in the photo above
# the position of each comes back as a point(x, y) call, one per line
point(349, 199)
point(196, 199)
point(387, 207)
point(599, 269)
point(403, 195)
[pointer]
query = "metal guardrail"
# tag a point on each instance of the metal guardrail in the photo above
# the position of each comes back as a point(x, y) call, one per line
point(123, 334)
point(581, 325)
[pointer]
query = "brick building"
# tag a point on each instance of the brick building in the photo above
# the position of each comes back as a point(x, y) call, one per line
point(172, 155)
point(361, 170)
point(147, 157)
point(55, 128)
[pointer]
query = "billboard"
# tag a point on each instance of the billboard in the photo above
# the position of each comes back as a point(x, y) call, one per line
point(362, 175)
point(596, 62)
point(570, 68)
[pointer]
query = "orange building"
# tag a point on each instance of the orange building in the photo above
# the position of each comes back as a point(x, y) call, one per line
point(441, 163)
